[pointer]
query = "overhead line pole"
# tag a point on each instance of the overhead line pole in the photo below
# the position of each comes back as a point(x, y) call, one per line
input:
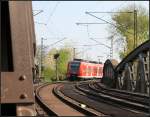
point(74, 53)
point(41, 56)
point(135, 28)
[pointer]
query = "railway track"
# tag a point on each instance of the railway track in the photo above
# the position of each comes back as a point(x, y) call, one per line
point(75, 103)
point(115, 101)
point(137, 97)
point(41, 105)
point(83, 95)
point(131, 99)
point(50, 101)
point(85, 98)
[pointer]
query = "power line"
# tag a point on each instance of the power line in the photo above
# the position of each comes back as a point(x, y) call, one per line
point(108, 22)
point(40, 11)
point(89, 23)
point(39, 22)
point(101, 43)
point(57, 42)
point(83, 51)
point(108, 12)
point(88, 45)
point(52, 32)
point(116, 7)
point(57, 29)
point(52, 12)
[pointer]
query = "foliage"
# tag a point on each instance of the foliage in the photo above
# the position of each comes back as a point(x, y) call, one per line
point(125, 27)
point(65, 55)
point(49, 74)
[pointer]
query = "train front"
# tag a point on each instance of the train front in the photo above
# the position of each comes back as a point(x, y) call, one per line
point(73, 70)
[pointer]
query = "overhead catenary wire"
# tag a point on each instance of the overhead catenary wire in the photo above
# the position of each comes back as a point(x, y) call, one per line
point(112, 12)
point(51, 14)
point(105, 22)
point(116, 7)
point(88, 45)
point(40, 11)
point(40, 22)
point(57, 42)
point(100, 43)
point(108, 22)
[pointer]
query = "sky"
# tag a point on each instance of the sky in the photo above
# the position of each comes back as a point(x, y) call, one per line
point(58, 21)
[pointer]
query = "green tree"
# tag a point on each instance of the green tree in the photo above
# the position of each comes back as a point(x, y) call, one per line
point(64, 58)
point(49, 66)
point(65, 55)
point(125, 27)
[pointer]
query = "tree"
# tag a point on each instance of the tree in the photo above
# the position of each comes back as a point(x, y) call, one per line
point(125, 27)
point(49, 66)
point(64, 58)
point(65, 55)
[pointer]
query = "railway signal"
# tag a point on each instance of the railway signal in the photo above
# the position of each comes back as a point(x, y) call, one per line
point(56, 56)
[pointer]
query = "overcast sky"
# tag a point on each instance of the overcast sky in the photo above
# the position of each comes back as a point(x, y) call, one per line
point(61, 17)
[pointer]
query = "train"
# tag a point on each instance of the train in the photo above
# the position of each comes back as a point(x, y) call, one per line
point(80, 69)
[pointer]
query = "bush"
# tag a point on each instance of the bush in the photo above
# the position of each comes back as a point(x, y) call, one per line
point(49, 74)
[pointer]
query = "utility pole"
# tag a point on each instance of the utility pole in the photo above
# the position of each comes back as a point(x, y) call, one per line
point(111, 50)
point(99, 58)
point(41, 56)
point(74, 53)
point(57, 70)
point(56, 58)
point(41, 67)
point(135, 28)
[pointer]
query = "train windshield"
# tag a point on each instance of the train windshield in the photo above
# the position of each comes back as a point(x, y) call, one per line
point(74, 66)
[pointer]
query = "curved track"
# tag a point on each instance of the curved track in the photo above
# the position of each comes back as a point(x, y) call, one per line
point(53, 102)
point(130, 100)
point(102, 103)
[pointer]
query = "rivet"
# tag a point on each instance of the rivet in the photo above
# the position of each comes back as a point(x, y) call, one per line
point(23, 96)
point(23, 77)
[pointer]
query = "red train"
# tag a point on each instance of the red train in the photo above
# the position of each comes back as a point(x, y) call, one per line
point(82, 69)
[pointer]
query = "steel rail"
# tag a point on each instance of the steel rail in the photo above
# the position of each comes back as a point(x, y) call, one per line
point(119, 95)
point(73, 103)
point(43, 105)
point(115, 101)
